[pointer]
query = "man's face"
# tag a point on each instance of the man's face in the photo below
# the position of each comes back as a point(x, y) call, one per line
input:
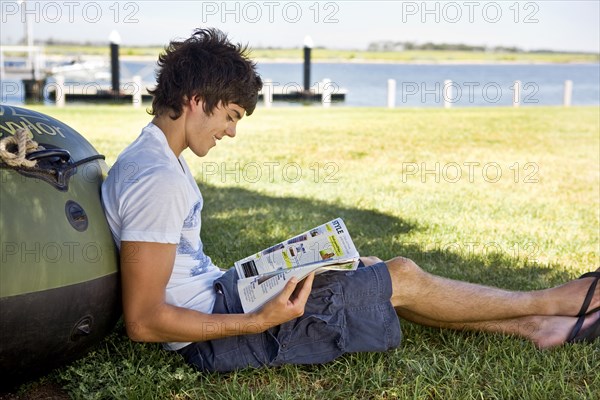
point(203, 131)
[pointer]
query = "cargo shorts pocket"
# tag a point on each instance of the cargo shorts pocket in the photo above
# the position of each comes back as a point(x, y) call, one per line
point(230, 355)
point(319, 335)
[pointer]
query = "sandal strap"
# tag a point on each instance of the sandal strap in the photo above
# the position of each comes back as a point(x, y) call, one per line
point(590, 293)
point(595, 274)
point(576, 329)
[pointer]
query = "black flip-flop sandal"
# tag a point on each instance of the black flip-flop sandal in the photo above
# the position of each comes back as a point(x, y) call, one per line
point(593, 331)
point(586, 336)
point(589, 295)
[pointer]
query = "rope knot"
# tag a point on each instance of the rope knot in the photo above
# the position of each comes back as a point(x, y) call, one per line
point(23, 143)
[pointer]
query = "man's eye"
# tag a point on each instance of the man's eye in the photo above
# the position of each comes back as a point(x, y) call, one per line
point(229, 119)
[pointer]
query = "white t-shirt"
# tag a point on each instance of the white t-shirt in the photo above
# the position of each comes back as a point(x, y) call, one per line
point(151, 196)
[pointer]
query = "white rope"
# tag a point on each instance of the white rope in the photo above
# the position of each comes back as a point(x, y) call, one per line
point(22, 140)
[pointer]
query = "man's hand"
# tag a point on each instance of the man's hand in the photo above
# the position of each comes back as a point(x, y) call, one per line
point(288, 304)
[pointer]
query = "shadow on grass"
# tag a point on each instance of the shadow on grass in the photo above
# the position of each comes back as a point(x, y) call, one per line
point(238, 222)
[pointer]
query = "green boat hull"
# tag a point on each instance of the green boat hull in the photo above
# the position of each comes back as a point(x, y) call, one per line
point(59, 291)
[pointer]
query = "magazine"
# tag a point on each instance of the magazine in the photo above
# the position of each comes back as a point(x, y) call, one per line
point(264, 274)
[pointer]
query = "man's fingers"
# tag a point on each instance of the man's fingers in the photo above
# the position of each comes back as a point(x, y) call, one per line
point(307, 285)
point(303, 289)
point(289, 288)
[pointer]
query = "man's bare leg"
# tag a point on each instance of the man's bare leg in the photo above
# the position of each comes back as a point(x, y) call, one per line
point(447, 300)
point(544, 331)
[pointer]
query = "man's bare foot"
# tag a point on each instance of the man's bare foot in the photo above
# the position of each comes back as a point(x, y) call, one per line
point(553, 331)
point(568, 298)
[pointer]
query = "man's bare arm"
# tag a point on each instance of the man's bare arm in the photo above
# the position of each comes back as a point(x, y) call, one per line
point(145, 270)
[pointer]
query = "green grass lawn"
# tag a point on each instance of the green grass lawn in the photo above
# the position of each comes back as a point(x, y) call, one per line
point(500, 196)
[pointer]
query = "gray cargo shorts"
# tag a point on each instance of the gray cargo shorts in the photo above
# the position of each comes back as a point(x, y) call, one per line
point(346, 312)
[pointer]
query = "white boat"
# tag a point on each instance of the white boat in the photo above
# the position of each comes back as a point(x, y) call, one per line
point(85, 71)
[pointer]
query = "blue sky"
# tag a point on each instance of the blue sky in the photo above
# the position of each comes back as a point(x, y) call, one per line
point(558, 25)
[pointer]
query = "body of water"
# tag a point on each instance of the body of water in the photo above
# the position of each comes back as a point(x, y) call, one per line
point(473, 85)
point(416, 85)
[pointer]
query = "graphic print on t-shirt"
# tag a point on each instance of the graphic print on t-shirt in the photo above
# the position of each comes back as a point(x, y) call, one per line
point(190, 244)
point(193, 219)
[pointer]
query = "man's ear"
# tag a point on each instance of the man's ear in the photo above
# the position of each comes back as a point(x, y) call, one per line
point(195, 102)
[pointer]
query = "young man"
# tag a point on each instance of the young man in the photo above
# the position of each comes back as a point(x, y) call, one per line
point(173, 293)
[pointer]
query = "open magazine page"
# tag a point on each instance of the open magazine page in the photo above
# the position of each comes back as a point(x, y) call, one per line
point(256, 291)
point(328, 242)
point(264, 274)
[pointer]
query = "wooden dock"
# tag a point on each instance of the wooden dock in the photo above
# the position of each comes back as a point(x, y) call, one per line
point(104, 94)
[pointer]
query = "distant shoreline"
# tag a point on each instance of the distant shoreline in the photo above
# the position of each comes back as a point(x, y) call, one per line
point(262, 60)
point(321, 55)
point(275, 56)
point(419, 62)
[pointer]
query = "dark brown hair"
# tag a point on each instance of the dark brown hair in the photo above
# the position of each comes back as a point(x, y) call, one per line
point(209, 66)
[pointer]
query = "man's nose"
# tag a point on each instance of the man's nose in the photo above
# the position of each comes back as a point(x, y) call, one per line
point(230, 131)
